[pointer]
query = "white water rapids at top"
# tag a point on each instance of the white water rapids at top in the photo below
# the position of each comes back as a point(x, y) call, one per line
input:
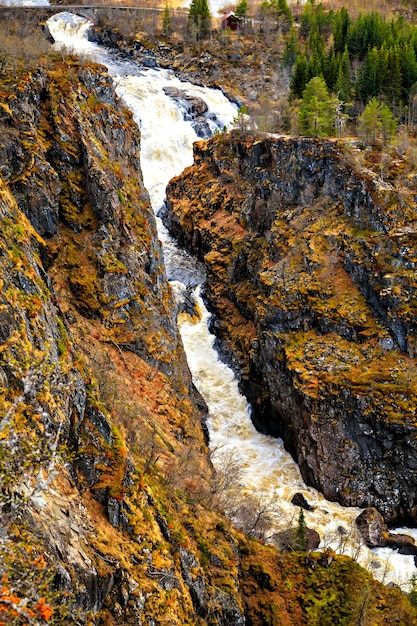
point(216, 6)
point(266, 470)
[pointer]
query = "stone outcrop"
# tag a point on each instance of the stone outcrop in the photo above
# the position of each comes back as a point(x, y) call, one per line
point(311, 274)
point(193, 109)
point(299, 499)
point(375, 533)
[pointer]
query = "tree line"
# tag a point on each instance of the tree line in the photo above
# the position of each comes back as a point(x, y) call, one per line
point(342, 70)
point(368, 64)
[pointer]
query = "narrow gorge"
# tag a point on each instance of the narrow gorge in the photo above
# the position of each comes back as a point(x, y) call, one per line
point(111, 507)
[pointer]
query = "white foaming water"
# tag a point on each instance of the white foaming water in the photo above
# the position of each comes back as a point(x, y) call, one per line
point(167, 139)
point(265, 468)
point(23, 3)
point(69, 30)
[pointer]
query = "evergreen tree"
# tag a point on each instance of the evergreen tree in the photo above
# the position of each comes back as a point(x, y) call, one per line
point(343, 86)
point(323, 20)
point(393, 80)
point(301, 532)
point(242, 9)
point(280, 10)
point(340, 30)
point(316, 43)
point(408, 69)
point(376, 122)
point(316, 65)
point(300, 77)
point(368, 31)
point(291, 49)
point(331, 69)
point(317, 113)
point(307, 20)
point(166, 21)
point(371, 75)
point(284, 13)
point(199, 18)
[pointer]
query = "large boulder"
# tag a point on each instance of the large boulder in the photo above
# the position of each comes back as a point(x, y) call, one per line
point(193, 105)
point(375, 533)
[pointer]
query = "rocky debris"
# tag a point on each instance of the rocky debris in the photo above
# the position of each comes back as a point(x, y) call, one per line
point(196, 583)
point(112, 38)
point(314, 306)
point(326, 557)
point(375, 533)
point(147, 60)
point(299, 499)
point(193, 109)
point(313, 539)
point(192, 105)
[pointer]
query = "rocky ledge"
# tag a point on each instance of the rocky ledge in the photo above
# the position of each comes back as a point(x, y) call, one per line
point(311, 274)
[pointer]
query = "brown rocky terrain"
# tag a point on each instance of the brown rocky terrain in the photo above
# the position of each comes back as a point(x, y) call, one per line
point(249, 72)
point(107, 497)
point(311, 274)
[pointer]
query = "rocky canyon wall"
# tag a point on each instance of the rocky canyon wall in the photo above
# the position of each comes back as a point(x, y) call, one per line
point(101, 425)
point(311, 274)
point(107, 499)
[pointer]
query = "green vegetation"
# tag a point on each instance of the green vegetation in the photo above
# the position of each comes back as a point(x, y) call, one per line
point(359, 60)
point(318, 111)
point(413, 590)
point(199, 19)
point(166, 21)
point(280, 10)
point(242, 8)
point(376, 122)
point(301, 532)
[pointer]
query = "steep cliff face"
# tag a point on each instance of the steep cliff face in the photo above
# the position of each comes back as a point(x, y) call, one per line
point(311, 272)
point(97, 399)
point(106, 498)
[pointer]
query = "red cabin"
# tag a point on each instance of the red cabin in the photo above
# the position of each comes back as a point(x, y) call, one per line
point(231, 22)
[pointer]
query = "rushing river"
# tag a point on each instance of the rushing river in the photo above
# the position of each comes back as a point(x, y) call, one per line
point(264, 469)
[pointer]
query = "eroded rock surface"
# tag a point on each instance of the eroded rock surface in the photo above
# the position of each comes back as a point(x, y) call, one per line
point(106, 499)
point(96, 393)
point(375, 533)
point(311, 274)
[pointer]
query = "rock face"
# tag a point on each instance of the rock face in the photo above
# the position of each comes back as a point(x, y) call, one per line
point(375, 533)
point(105, 487)
point(95, 390)
point(311, 273)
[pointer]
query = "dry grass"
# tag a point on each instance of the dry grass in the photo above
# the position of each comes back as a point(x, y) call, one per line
point(20, 40)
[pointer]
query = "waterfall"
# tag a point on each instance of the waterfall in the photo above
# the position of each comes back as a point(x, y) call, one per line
point(24, 3)
point(265, 469)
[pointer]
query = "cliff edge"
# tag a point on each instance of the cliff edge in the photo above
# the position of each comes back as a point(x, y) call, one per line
point(311, 273)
